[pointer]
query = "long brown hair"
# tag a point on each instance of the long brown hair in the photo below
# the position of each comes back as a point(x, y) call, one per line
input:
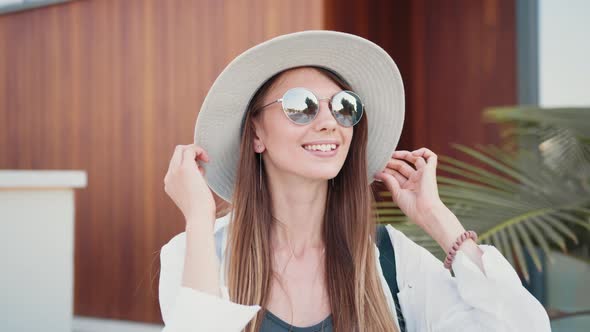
point(355, 293)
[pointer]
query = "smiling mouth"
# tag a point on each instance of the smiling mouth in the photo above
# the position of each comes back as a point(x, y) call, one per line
point(320, 147)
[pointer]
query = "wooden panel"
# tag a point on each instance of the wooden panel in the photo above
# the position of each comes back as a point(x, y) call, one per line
point(465, 61)
point(456, 57)
point(111, 87)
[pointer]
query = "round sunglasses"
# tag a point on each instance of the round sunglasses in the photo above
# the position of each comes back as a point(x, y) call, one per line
point(301, 106)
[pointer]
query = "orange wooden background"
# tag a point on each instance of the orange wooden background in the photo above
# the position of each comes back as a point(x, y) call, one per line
point(456, 57)
point(111, 87)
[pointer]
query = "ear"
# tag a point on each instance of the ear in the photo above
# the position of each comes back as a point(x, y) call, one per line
point(258, 146)
point(257, 141)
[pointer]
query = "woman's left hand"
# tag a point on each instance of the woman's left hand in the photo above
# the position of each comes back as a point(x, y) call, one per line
point(416, 193)
point(413, 190)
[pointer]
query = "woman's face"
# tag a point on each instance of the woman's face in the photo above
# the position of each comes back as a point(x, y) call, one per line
point(287, 145)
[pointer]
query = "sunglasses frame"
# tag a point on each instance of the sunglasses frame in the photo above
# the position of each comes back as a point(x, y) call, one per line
point(280, 100)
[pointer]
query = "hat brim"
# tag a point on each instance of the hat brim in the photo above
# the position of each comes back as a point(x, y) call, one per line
point(369, 70)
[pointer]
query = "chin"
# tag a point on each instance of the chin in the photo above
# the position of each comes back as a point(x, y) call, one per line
point(325, 174)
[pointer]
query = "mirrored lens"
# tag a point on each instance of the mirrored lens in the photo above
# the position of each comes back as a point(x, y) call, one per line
point(347, 108)
point(300, 105)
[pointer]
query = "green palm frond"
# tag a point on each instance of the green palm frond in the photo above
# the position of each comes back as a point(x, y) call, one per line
point(519, 200)
point(560, 135)
point(572, 118)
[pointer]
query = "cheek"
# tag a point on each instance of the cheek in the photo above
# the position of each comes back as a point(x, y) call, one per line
point(283, 150)
point(348, 134)
point(281, 136)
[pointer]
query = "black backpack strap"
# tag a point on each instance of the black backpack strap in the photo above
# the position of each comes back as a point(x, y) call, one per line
point(387, 260)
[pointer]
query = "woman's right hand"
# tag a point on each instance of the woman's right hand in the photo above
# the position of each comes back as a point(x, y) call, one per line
point(185, 183)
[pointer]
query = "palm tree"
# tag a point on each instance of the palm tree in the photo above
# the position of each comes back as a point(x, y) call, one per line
point(532, 191)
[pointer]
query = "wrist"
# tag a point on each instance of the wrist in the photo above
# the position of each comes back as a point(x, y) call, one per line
point(466, 237)
point(443, 226)
point(201, 223)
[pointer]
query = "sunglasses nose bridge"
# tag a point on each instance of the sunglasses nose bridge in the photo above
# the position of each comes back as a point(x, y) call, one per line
point(325, 118)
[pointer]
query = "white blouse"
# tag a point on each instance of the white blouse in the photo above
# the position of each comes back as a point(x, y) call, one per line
point(430, 298)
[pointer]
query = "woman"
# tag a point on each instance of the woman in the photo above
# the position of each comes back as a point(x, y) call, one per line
point(292, 132)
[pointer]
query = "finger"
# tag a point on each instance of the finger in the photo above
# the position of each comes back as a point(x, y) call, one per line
point(202, 170)
point(400, 166)
point(390, 182)
point(408, 156)
point(431, 157)
point(432, 160)
point(423, 152)
point(192, 153)
point(176, 157)
point(399, 152)
point(397, 175)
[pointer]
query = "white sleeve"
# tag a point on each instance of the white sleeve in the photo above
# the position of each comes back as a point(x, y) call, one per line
point(187, 309)
point(432, 299)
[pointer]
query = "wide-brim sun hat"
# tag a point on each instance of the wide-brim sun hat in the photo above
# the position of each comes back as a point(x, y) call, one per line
point(369, 70)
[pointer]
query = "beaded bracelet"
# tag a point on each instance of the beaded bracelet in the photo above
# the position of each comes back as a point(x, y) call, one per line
point(453, 251)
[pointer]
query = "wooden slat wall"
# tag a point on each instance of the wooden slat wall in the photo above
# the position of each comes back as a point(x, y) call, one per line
point(456, 57)
point(464, 61)
point(111, 87)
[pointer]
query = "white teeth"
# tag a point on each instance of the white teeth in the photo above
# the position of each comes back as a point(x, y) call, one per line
point(320, 147)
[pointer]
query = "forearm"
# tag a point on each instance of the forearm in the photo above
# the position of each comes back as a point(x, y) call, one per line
point(445, 228)
point(201, 265)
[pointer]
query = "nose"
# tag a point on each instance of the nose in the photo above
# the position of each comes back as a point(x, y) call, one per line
point(325, 121)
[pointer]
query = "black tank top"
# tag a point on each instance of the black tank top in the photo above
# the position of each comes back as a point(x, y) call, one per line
point(272, 323)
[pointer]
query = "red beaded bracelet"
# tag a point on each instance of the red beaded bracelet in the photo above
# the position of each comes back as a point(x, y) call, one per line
point(453, 251)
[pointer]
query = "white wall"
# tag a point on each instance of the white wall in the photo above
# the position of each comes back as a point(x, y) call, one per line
point(37, 211)
point(564, 53)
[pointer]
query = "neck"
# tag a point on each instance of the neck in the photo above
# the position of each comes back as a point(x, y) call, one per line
point(298, 207)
